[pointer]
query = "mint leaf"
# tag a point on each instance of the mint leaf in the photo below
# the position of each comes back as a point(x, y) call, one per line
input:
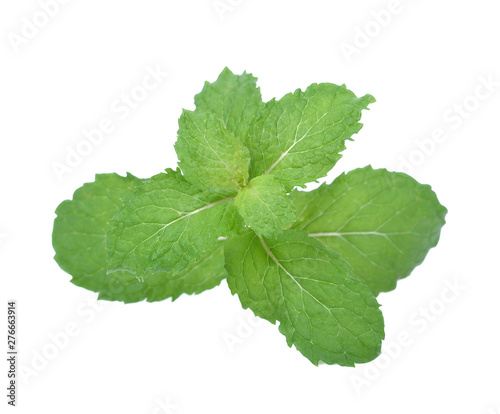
point(81, 224)
point(265, 207)
point(209, 155)
point(204, 274)
point(79, 241)
point(235, 99)
point(383, 223)
point(167, 224)
point(298, 138)
point(248, 265)
point(323, 310)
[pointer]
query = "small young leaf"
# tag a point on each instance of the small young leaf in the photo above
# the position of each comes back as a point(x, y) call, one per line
point(323, 310)
point(209, 155)
point(233, 98)
point(79, 241)
point(167, 224)
point(383, 223)
point(265, 206)
point(298, 138)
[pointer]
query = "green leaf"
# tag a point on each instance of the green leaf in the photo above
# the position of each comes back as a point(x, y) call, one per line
point(233, 98)
point(201, 275)
point(265, 206)
point(323, 310)
point(209, 155)
point(166, 225)
point(383, 223)
point(248, 266)
point(298, 138)
point(79, 241)
point(81, 224)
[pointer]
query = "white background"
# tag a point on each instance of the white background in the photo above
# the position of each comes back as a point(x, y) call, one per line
point(423, 66)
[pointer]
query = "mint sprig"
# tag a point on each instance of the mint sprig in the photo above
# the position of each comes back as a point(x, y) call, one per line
point(312, 261)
